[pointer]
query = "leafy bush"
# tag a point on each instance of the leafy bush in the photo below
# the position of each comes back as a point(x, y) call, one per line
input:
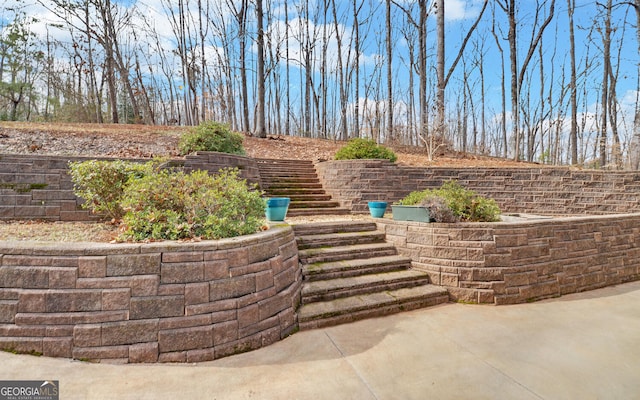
point(439, 211)
point(102, 183)
point(211, 136)
point(168, 205)
point(364, 149)
point(464, 204)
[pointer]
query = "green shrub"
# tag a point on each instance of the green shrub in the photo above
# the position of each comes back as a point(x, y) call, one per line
point(168, 205)
point(464, 204)
point(211, 136)
point(364, 149)
point(102, 183)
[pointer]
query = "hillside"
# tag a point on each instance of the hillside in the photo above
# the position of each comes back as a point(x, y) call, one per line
point(144, 141)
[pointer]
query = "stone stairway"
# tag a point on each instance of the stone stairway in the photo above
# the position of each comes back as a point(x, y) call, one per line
point(297, 179)
point(351, 273)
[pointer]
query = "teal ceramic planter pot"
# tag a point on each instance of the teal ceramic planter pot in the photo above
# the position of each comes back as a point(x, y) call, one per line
point(276, 209)
point(377, 208)
point(410, 213)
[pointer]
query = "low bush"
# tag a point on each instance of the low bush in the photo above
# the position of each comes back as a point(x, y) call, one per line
point(211, 136)
point(175, 205)
point(464, 204)
point(364, 149)
point(102, 183)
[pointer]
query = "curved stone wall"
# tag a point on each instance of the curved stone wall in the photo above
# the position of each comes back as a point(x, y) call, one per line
point(516, 262)
point(156, 302)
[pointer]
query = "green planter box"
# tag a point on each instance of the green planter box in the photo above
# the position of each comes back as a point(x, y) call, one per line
point(410, 213)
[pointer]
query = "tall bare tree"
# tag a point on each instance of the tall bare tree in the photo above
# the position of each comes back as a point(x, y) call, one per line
point(260, 131)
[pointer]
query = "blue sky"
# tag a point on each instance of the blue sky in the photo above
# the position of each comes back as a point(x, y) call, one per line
point(460, 15)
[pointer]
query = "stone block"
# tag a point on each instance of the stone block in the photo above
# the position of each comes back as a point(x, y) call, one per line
point(254, 298)
point(101, 353)
point(62, 278)
point(232, 287)
point(156, 307)
point(199, 337)
point(196, 293)
point(21, 344)
point(225, 332)
point(253, 268)
point(182, 272)
point(8, 310)
point(73, 300)
point(25, 277)
point(272, 306)
point(184, 322)
point(32, 302)
point(172, 289)
point(59, 331)
point(200, 355)
point(264, 280)
point(260, 251)
point(288, 250)
point(216, 269)
point(211, 307)
point(182, 257)
point(57, 347)
point(133, 264)
point(116, 299)
point(143, 352)
point(285, 278)
point(129, 332)
point(145, 285)
point(248, 315)
point(87, 335)
point(173, 357)
point(92, 267)
point(270, 336)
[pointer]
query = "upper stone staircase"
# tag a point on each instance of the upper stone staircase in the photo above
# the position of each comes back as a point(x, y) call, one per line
point(297, 179)
point(350, 273)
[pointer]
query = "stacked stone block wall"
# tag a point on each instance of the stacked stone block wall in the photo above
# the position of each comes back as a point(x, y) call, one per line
point(39, 187)
point(549, 191)
point(515, 262)
point(159, 302)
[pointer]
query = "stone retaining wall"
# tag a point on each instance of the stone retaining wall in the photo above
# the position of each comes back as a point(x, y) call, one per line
point(515, 262)
point(543, 190)
point(158, 302)
point(39, 187)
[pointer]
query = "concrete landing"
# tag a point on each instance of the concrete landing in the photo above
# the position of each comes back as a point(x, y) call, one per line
point(584, 346)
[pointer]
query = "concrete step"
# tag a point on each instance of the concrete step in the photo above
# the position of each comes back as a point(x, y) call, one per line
point(289, 192)
point(355, 267)
point(280, 173)
point(273, 161)
point(352, 252)
point(339, 239)
point(296, 212)
point(364, 284)
point(348, 309)
point(309, 197)
point(318, 228)
point(287, 181)
point(314, 204)
point(300, 185)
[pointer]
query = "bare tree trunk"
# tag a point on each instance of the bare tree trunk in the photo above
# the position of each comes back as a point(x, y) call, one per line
point(606, 68)
point(503, 115)
point(390, 135)
point(573, 135)
point(440, 69)
point(635, 140)
point(260, 118)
